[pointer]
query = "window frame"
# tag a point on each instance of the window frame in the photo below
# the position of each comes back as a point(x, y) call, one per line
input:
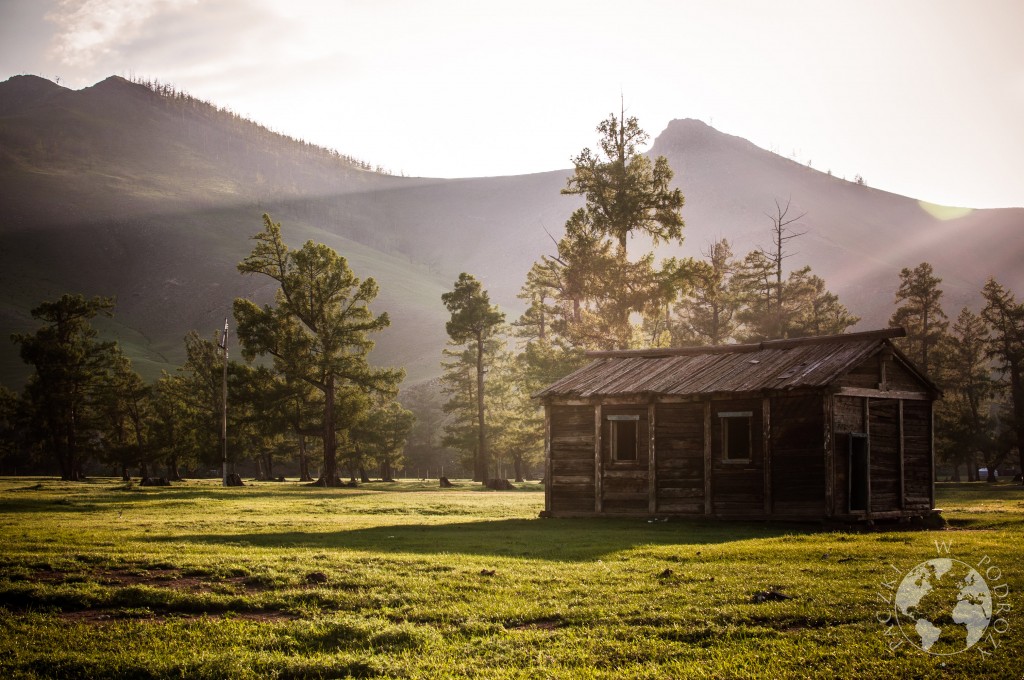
point(615, 423)
point(724, 419)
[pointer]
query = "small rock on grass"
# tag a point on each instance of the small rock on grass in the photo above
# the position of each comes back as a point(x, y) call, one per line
point(773, 594)
point(317, 577)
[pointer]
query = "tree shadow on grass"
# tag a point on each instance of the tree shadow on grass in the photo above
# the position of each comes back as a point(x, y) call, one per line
point(550, 539)
point(21, 500)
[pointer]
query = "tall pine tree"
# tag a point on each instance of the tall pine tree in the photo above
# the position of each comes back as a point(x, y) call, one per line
point(474, 321)
point(318, 330)
point(920, 314)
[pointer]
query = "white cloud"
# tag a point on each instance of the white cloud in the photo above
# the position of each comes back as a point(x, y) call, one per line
point(88, 30)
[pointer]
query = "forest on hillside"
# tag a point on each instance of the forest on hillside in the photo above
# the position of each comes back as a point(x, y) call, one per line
point(305, 397)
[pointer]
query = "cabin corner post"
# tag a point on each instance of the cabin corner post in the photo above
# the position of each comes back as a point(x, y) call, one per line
point(901, 454)
point(548, 482)
point(766, 447)
point(707, 457)
point(598, 460)
point(652, 480)
point(931, 448)
point(830, 456)
point(867, 431)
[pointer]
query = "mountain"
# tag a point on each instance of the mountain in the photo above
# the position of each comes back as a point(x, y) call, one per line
point(150, 195)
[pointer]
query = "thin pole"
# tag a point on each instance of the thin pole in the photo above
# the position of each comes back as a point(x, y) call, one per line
point(224, 404)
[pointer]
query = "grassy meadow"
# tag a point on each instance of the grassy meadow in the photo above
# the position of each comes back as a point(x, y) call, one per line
point(277, 580)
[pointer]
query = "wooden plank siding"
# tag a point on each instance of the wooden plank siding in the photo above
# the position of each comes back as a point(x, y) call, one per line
point(884, 449)
point(917, 419)
point(679, 459)
point(798, 459)
point(625, 484)
point(847, 418)
point(737, 488)
point(572, 459)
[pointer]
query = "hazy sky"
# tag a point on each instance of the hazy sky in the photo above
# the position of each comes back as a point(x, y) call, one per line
point(923, 97)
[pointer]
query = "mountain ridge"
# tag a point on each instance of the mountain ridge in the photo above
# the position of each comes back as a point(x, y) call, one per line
point(152, 197)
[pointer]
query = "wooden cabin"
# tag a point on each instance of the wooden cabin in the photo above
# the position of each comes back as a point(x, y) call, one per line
point(836, 427)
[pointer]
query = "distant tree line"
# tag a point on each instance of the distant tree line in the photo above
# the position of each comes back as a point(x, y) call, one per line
point(978, 361)
point(177, 96)
point(315, 401)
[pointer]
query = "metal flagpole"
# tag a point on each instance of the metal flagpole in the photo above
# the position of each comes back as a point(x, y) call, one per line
point(224, 403)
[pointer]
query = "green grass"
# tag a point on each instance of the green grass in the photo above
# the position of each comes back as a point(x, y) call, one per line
point(107, 580)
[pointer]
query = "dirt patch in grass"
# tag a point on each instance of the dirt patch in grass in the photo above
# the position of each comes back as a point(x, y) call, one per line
point(108, 616)
point(174, 579)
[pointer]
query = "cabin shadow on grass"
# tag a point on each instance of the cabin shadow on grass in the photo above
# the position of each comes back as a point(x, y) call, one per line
point(567, 540)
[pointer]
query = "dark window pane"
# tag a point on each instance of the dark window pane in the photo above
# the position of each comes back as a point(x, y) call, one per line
point(736, 438)
point(624, 440)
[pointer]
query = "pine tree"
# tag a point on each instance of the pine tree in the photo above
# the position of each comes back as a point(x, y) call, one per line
point(1005, 319)
point(964, 426)
point(70, 370)
point(707, 312)
point(474, 321)
point(920, 314)
point(812, 309)
point(625, 195)
point(317, 331)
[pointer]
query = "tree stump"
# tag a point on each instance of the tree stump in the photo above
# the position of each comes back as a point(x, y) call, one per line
point(500, 485)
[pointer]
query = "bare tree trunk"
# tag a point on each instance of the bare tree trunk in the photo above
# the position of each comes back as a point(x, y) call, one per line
point(517, 466)
point(304, 475)
point(329, 474)
point(482, 462)
point(173, 474)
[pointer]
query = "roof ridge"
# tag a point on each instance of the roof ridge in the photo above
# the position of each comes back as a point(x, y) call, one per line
point(786, 343)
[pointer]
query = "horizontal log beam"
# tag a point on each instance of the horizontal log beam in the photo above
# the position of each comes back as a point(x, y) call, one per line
point(882, 394)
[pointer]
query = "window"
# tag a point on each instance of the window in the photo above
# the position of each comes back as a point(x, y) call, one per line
point(624, 437)
point(736, 437)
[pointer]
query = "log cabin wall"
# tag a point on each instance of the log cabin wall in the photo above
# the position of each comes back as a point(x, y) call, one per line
point(761, 430)
point(848, 417)
point(679, 458)
point(572, 459)
point(884, 447)
point(737, 487)
point(797, 456)
point(917, 459)
point(899, 436)
point(898, 378)
point(625, 484)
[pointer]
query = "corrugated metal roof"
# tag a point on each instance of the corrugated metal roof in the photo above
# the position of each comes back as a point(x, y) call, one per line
point(770, 365)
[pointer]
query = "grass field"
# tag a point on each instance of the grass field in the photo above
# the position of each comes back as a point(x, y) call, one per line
point(108, 580)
